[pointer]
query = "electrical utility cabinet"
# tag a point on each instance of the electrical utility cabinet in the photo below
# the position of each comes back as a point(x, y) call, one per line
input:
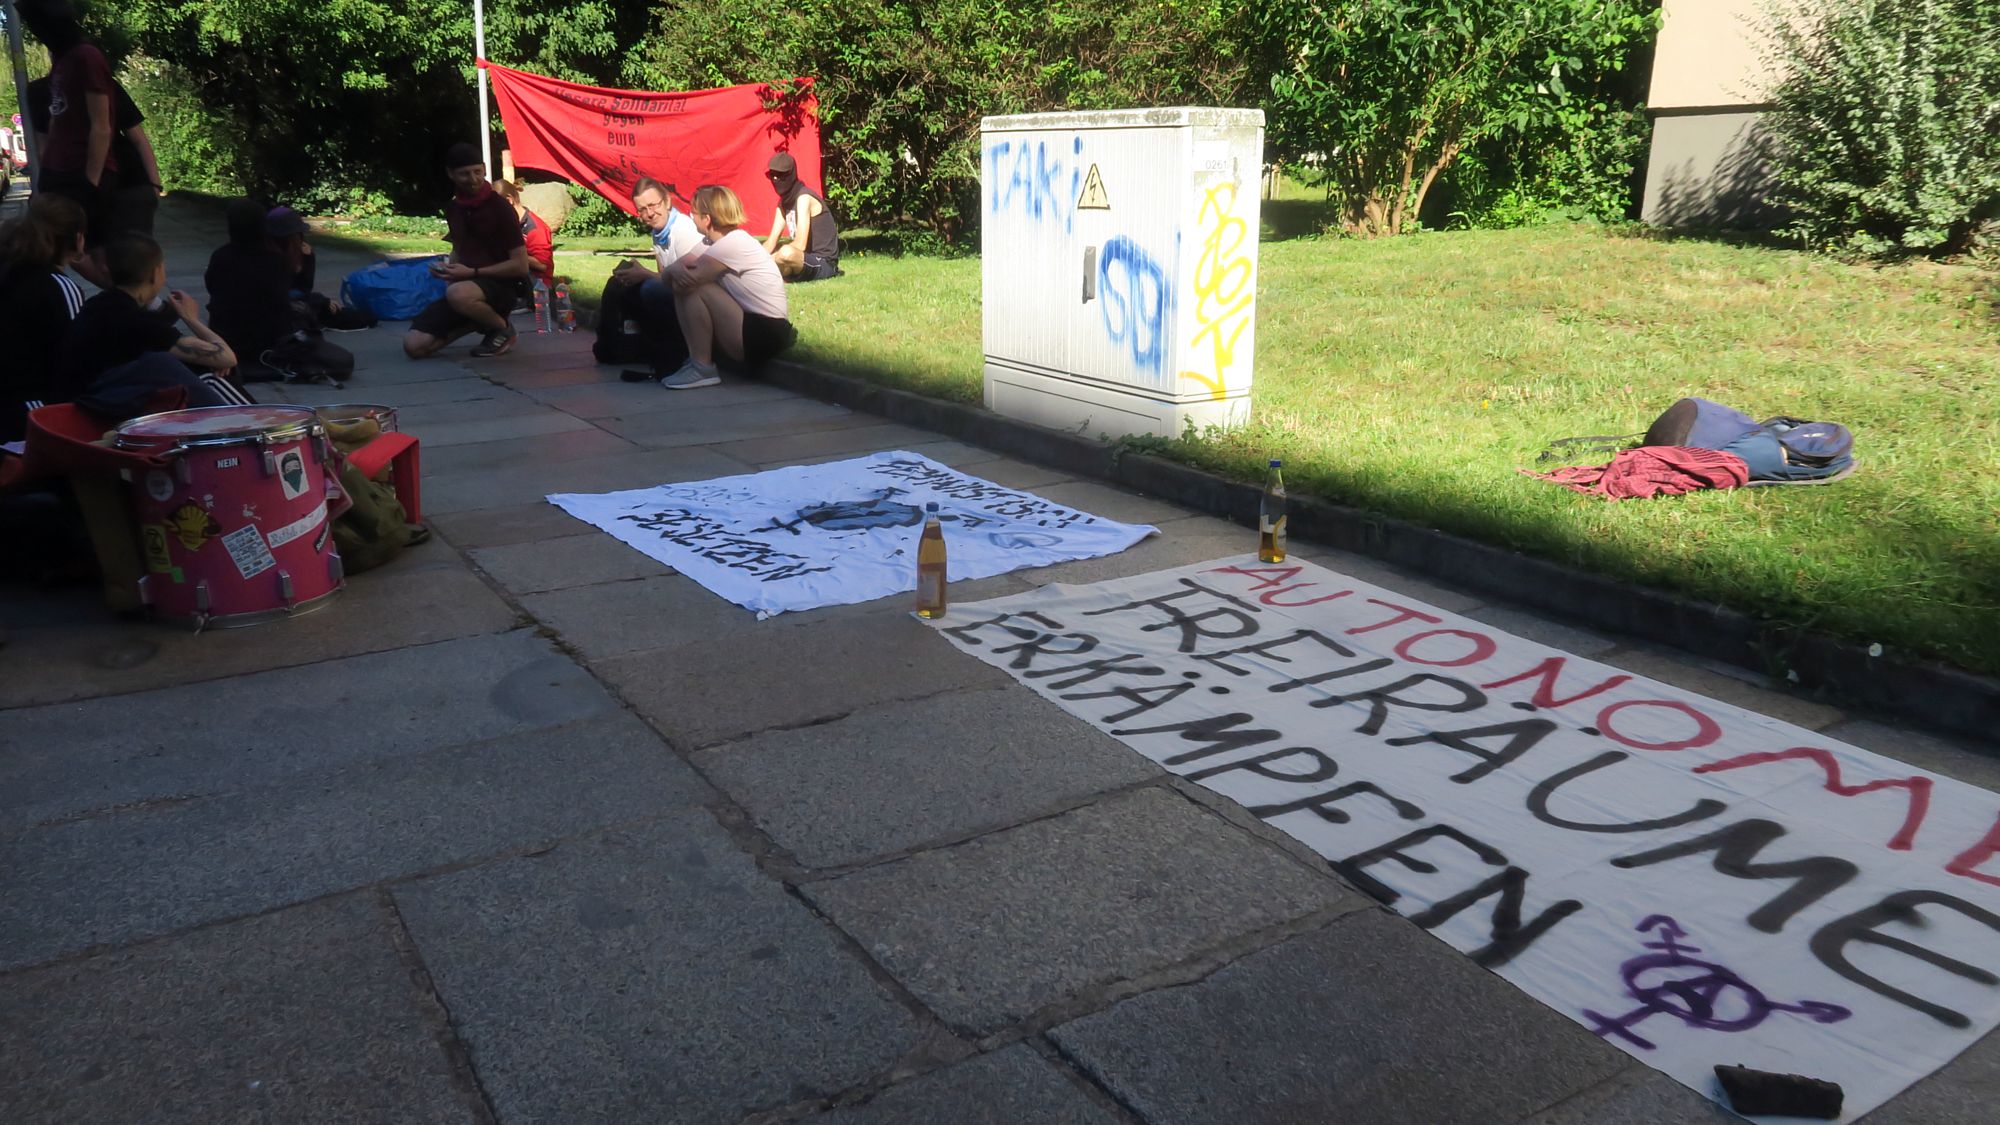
point(1119, 262)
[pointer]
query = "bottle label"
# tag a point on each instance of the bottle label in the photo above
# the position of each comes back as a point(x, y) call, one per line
point(1271, 526)
point(930, 588)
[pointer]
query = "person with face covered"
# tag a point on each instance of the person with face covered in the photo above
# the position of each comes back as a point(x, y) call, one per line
point(813, 254)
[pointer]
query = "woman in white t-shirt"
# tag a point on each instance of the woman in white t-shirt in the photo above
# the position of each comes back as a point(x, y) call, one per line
point(730, 297)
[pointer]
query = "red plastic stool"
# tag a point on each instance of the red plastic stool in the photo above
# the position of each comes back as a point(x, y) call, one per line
point(398, 451)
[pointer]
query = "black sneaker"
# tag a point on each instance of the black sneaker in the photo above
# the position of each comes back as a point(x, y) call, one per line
point(496, 343)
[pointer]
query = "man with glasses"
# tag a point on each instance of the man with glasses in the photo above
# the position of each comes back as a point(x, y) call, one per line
point(636, 321)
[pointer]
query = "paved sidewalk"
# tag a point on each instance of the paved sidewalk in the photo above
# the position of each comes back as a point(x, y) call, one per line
point(526, 827)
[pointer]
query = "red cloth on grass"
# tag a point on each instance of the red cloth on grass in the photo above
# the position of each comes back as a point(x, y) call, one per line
point(1653, 470)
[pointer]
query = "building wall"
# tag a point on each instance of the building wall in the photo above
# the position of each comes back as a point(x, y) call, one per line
point(1710, 85)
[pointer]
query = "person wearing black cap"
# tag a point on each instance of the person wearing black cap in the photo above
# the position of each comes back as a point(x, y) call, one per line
point(813, 254)
point(261, 300)
point(488, 268)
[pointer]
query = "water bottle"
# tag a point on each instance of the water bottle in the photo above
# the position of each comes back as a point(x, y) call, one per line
point(541, 306)
point(1271, 517)
point(565, 315)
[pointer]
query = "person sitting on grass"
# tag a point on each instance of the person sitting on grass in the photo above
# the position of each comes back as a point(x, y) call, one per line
point(117, 356)
point(636, 321)
point(813, 254)
point(730, 298)
point(37, 302)
point(488, 268)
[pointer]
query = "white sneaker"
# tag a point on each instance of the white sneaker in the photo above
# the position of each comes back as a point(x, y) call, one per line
point(692, 375)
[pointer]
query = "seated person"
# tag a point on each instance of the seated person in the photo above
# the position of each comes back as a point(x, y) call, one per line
point(37, 302)
point(117, 356)
point(488, 268)
point(813, 254)
point(730, 298)
point(636, 319)
point(535, 234)
point(260, 293)
point(285, 232)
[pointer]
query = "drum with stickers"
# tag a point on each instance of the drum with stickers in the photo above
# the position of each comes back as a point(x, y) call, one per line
point(237, 522)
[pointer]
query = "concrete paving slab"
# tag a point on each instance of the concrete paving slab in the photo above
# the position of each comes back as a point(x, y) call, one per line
point(1112, 503)
point(225, 735)
point(1683, 672)
point(1556, 634)
point(1009, 473)
point(1366, 1020)
point(402, 396)
point(829, 667)
point(495, 429)
point(991, 931)
point(399, 370)
point(1374, 573)
point(648, 974)
point(611, 397)
point(540, 449)
point(557, 564)
point(961, 592)
point(136, 874)
point(956, 454)
point(501, 488)
point(499, 527)
point(492, 402)
point(28, 605)
point(303, 1016)
point(427, 595)
point(1180, 542)
point(590, 372)
point(902, 775)
point(1639, 1095)
point(768, 416)
point(1014, 1086)
point(856, 441)
point(665, 612)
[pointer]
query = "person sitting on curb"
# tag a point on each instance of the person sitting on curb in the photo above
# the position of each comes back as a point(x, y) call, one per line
point(813, 254)
point(37, 302)
point(488, 267)
point(117, 355)
point(730, 298)
point(636, 321)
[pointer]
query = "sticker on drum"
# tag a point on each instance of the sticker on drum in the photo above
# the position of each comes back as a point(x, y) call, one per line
point(159, 485)
point(158, 560)
point(297, 527)
point(248, 552)
point(192, 525)
point(292, 473)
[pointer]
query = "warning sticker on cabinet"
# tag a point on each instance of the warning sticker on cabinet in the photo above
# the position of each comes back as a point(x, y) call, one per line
point(248, 552)
point(1093, 197)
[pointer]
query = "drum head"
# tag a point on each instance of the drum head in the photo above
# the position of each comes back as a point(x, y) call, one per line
point(216, 425)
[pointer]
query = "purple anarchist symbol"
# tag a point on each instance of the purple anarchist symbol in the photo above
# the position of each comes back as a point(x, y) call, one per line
point(1701, 994)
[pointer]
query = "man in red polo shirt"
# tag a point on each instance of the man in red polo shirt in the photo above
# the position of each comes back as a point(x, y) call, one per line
point(488, 267)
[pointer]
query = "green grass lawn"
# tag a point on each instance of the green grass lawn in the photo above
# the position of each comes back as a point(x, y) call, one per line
point(1413, 376)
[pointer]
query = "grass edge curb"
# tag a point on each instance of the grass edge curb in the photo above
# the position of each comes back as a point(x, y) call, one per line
point(1796, 660)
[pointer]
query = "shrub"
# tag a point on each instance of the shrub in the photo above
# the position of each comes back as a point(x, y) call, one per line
point(592, 214)
point(1885, 136)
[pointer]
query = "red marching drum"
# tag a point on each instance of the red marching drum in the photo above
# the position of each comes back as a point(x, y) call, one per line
point(237, 524)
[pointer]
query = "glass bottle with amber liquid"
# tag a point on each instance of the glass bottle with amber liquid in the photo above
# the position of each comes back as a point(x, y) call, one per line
point(1271, 517)
point(930, 565)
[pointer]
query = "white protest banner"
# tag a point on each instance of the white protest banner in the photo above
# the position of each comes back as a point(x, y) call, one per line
point(817, 535)
point(1693, 882)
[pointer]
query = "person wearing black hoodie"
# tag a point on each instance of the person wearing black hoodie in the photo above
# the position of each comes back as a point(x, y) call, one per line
point(813, 254)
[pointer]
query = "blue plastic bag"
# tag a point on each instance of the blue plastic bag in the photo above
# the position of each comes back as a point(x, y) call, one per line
point(394, 290)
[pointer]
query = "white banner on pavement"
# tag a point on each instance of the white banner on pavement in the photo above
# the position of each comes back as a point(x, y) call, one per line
point(1696, 883)
point(818, 535)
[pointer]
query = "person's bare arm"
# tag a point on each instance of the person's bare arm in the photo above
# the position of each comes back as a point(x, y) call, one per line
point(694, 271)
point(137, 135)
point(99, 107)
point(777, 230)
point(201, 347)
point(516, 266)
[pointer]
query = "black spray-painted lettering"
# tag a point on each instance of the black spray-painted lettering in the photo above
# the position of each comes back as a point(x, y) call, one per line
point(1218, 733)
point(1736, 847)
point(1143, 699)
point(1521, 736)
point(1380, 699)
point(1322, 768)
point(1509, 936)
point(1240, 615)
point(1091, 670)
point(1864, 926)
point(1539, 797)
point(1039, 626)
point(1322, 804)
point(1269, 650)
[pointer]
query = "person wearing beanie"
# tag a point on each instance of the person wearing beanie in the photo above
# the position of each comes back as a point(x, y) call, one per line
point(813, 254)
point(488, 268)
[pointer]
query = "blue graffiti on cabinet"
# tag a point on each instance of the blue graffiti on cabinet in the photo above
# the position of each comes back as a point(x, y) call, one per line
point(1134, 298)
point(1036, 178)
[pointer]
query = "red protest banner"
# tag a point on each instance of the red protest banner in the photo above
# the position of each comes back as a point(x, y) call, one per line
point(606, 139)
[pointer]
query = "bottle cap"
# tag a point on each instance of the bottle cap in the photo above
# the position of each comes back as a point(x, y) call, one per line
point(1275, 463)
point(931, 506)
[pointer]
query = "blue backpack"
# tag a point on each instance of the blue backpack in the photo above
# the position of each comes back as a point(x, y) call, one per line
point(1779, 450)
point(394, 290)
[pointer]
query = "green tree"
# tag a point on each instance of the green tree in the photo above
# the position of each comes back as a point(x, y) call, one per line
point(1389, 93)
point(1886, 125)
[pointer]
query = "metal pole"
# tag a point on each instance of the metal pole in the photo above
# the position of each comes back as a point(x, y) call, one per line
point(485, 115)
point(19, 61)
